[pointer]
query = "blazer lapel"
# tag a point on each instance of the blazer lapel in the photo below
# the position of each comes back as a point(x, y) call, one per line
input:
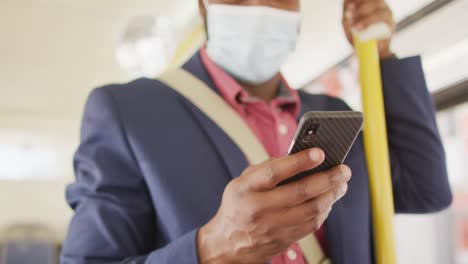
point(311, 103)
point(231, 155)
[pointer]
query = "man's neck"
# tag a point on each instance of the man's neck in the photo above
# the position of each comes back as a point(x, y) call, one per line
point(266, 91)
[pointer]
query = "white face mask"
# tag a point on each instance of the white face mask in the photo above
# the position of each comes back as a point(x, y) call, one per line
point(251, 43)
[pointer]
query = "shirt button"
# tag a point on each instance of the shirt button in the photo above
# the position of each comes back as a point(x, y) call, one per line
point(292, 254)
point(283, 129)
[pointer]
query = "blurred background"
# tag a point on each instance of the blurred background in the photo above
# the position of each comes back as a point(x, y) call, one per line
point(53, 52)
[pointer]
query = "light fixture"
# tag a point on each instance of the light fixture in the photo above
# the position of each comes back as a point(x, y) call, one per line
point(146, 46)
point(27, 161)
point(447, 66)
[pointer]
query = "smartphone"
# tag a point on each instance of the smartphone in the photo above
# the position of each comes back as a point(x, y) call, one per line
point(333, 132)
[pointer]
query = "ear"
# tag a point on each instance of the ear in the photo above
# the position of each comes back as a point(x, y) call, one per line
point(201, 8)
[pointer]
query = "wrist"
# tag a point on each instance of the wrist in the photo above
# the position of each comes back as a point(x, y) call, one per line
point(210, 247)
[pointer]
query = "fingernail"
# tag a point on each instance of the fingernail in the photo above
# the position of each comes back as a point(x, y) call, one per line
point(340, 174)
point(343, 189)
point(348, 15)
point(315, 155)
point(346, 172)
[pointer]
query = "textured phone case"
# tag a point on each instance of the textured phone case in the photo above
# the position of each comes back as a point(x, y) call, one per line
point(335, 135)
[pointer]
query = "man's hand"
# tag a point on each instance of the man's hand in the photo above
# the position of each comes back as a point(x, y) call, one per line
point(258, 219)
point(359, 14)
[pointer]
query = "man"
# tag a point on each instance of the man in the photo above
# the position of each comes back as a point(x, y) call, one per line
point(159, 182)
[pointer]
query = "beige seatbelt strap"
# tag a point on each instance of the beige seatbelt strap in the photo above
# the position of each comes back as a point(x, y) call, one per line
point(215, 108)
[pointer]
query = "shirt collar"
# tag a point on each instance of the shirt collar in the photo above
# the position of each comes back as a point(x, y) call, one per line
point(237, 97)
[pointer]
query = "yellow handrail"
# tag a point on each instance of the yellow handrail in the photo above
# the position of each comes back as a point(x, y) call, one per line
point(376, 149)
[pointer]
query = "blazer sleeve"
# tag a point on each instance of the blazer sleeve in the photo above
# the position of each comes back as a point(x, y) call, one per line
point(420, 182)
point(114, 219)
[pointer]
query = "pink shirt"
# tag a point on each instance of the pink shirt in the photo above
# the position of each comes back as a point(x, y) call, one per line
point(274, 124)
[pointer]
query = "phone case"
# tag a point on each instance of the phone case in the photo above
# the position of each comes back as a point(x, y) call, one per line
point(333, 132)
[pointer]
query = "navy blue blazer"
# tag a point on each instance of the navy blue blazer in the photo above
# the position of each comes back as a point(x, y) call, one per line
point(151, 169)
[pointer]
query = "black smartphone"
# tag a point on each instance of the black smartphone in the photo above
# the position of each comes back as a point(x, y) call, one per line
point(333, 132)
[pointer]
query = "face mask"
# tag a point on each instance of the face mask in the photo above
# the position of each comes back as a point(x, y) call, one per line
point(251, 43)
